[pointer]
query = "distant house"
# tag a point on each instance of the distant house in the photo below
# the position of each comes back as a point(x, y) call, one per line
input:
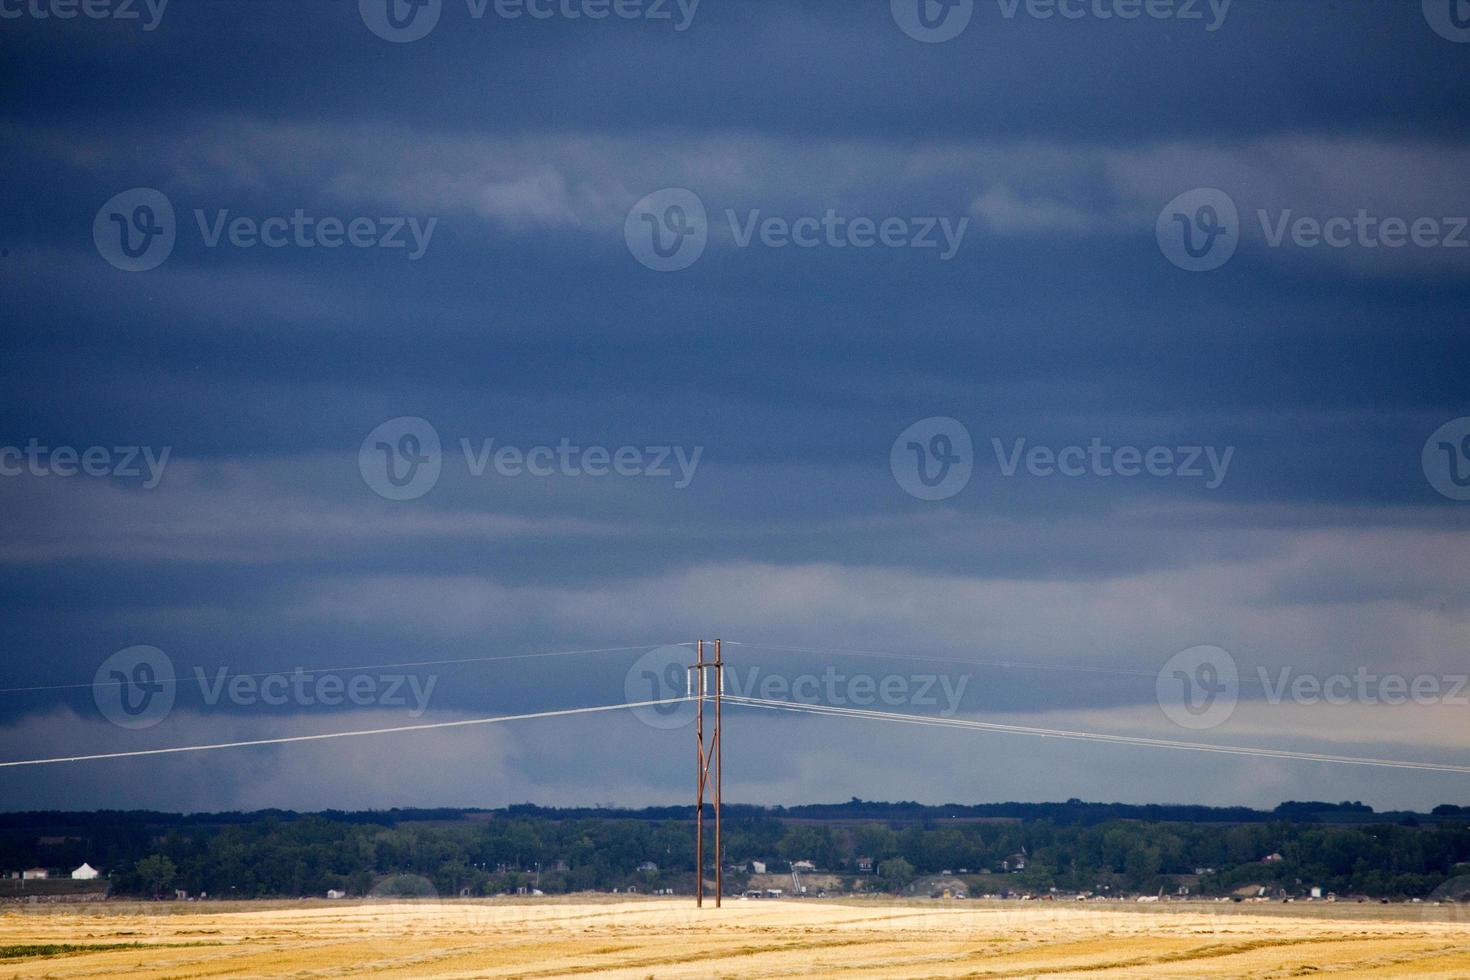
point(336, 893)
point(1014, 863)
point(803, 866)
point(647, 866)
point(35, 874)
point(85, 873)
point(757, 867)
point(1272, 859)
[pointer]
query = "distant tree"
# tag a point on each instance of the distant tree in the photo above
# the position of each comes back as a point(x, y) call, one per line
point(875, 840)
point(157, 871)
point(453, 875)
point(807, 843)
point(896, 871)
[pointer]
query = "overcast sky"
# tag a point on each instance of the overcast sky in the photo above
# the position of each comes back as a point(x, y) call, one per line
point(994, 233)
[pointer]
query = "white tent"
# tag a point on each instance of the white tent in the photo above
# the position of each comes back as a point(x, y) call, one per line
point(85, 873)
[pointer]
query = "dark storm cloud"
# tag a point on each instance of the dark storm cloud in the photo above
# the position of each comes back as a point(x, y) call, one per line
point(819, 67)
point(526, 320)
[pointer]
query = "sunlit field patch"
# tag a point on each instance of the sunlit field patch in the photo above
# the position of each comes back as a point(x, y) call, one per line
point(602, 937)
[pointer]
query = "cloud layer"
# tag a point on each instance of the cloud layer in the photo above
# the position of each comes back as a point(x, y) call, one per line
point(528, 321)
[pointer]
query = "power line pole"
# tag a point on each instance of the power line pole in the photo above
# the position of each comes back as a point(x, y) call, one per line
point(699, 776)
point(708, 676)
point(719, 774)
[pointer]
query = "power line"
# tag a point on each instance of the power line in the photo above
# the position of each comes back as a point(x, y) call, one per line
point(336, 670)
point(792, 706)
point(921, 658)
point(285, 740)
point(963, 723)
point(823, 651)
point(1244, 680)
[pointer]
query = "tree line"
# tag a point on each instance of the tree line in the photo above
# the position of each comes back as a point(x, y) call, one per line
point(453, 852)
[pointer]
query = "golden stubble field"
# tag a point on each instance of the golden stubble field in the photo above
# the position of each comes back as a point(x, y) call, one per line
point(667, 939)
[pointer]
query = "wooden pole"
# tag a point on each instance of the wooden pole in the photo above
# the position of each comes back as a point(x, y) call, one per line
point(699, 775)
point(719, 751)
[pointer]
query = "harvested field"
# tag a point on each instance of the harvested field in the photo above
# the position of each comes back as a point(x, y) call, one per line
point(668, 939)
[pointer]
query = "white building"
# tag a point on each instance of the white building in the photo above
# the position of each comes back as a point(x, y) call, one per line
point(85, 873)
point(35, 874)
